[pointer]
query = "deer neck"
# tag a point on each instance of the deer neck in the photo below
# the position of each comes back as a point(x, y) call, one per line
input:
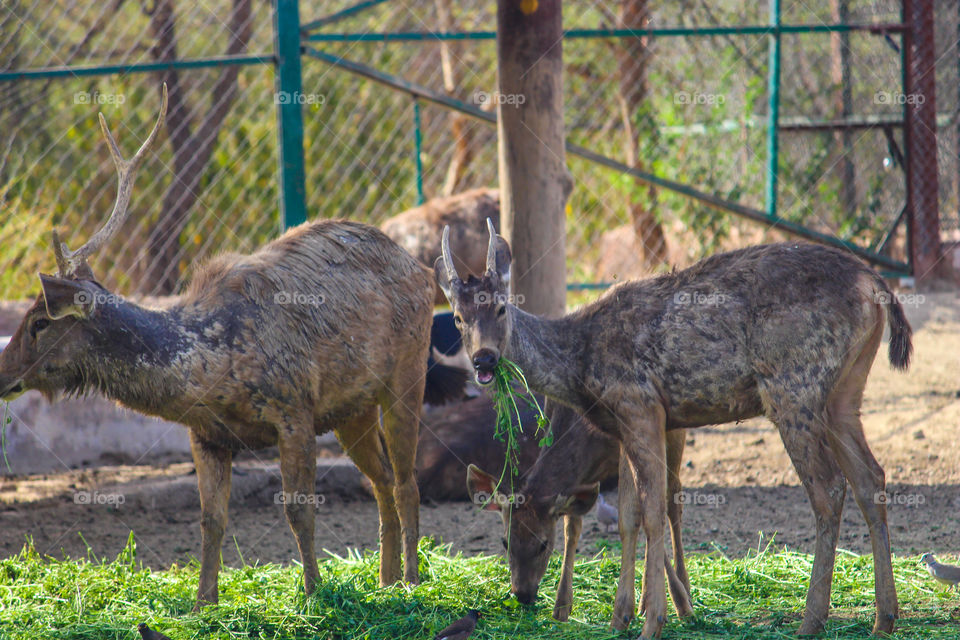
point(546, 350)
point(138, 359)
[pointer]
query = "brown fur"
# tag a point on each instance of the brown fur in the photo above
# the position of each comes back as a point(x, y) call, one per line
point(418, 230)
point(271, 348)
point(784, 330)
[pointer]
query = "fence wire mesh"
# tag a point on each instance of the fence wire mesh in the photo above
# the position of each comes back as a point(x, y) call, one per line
point(691, 109)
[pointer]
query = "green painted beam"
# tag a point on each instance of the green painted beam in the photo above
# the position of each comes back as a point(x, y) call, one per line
point(340, 15)
point(773, 112)
point(289, 86)
point(711, 200)
point(419, 36)
point(142, 67)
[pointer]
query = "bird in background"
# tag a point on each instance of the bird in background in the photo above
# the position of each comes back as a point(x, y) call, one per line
point(461, 629)
point(149, 634)
point(606, 513)
point(945, 573)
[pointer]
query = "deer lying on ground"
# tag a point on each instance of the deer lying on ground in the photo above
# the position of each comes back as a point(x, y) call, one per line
point(786, 330)
point(565, 481)
point(418, 230)
point(311, 333)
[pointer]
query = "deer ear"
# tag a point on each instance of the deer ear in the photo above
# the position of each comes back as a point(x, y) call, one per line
point(480, 486)
point(578, 501)
point(67, 297)
point(444, 279)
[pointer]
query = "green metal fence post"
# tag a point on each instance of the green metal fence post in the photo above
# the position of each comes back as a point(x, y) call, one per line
point(418, 143)
point(289, 89)
point(773, 110)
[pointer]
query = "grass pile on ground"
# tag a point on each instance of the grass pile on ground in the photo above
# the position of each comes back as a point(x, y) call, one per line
point(760, 596)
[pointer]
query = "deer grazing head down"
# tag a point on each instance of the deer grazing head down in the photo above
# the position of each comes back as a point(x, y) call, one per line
point(529, 526)
point(480, 304)
point(57, 331)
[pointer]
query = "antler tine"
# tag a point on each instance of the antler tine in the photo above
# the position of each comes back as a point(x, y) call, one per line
point(126, 171)
point(445, 252)
point(491, 248)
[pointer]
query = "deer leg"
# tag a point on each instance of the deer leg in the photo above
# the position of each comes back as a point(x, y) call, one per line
point(676, 578)
point(298, 472)
point(645, 445)
point(213, 480)
point(628, 523)
point(820, 474)
point(401, 424)
point(571, 534)
point(363, 442)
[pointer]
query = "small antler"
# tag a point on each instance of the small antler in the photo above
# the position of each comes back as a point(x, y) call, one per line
point(491, 248)
point(445, 252)
point(68, 262)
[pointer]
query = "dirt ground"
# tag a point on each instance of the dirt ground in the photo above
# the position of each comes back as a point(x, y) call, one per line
point(739, 481)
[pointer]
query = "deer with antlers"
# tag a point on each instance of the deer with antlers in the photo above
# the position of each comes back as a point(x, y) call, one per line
point(271, 348)
point(789, 331)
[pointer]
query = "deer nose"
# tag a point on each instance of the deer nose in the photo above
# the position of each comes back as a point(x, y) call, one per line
point(484, 360)
point(524, 596)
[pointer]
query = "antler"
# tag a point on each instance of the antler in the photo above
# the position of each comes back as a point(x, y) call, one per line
point(491, 248)
point(445, 252)
point(69, 261)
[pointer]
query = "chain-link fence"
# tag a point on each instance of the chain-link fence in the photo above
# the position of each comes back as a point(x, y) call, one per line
point(689, 108)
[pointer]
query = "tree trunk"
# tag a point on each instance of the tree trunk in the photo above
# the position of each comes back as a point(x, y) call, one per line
point(633, 56)
point(460, 128)
point(534, 181)
point(191, 149)
point(840, 44)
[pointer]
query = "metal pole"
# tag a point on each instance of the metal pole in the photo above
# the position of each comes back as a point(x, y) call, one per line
point(773, 109)
point(289, 89)
point(418, 141)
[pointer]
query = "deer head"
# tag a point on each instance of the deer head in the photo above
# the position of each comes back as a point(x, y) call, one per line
point(479, 305)
point(62, 323)
point(529, 526)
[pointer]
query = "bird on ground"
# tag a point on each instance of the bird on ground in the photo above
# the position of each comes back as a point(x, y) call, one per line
point(945, 573)
point(149, 634)
point(606, 513)
point(461, 629)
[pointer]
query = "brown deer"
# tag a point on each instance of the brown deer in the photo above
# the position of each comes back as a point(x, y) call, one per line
point(785, 330)
point(564, 481)
point(265, 349)
point(418, 230)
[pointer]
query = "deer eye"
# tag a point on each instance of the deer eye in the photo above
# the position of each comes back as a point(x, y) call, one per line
point(457, 320)
point(501, 312)
point(38, 325)
point(543, 546)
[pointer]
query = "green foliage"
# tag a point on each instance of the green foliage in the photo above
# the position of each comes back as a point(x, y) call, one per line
point(760, 596)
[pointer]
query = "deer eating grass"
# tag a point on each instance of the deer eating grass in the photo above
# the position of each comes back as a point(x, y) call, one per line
point(787, 330)
point(565, 481)
point(316, 331)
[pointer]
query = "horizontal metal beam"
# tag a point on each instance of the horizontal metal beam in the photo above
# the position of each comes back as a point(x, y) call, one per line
point(340, 15)
point(143, 67)
point(419, 36)
point(711, 200)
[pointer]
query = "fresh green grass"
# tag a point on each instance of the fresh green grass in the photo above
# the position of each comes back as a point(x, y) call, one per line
point(760, 596)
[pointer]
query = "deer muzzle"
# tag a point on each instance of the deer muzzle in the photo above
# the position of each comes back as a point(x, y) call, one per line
point(484, 362)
